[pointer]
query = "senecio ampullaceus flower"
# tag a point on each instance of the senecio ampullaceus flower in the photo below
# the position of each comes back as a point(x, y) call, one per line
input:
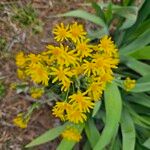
point(74, 67)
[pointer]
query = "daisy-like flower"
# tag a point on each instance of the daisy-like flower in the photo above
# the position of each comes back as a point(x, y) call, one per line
point(104, 64)
point(107, 77)
point(129, 84)
point(89, 68)
point(33, 58)
point(83, 48)
point(75, 115)
point(60, 109)
point(36, 92)
point(76, 32)
point(70, 58)
point(71, 134)
point(61, 32)
point(38, 73)
point(20, 59)
point(95, 90)
point(65, 85)
point(78, 70)
point(21, 121)
point(107, 45)
point(61, 74)
point(81, 101)
point(62, 55)
point(56, 53)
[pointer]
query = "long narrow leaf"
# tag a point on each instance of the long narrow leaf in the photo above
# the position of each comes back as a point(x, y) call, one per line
point(147, 143)
point(143, 53)
point(136, 65)
point(113, 104)
point(137, 44)
point(128, 131)
point(92, 132)
point(47, 136)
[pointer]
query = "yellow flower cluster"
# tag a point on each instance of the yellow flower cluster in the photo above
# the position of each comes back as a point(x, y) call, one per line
point(78, 68)
point(71, 134)
point(129, 84)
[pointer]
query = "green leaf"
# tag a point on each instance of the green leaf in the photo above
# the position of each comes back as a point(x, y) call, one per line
point(128, 131)
point(135, 115)
point(98, 10)
point(141, 99)
point(141, 29)
point(92, 132)
point(87, 146)
point(130, 14)
point(143, 53)
point(108, 13)
point(143, 84)
point(137, 44)
point(47, 136)
point(143, 79)
point(136, 65)
point(147, 143)
point(113, 141)
point(142, 87)
point(117, 144)
point(113, 104)
point(87, 16)
point(68, 145)
point(96, 108)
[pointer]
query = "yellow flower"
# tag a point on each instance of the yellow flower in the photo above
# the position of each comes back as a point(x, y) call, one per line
point(57, 53)
point(60, 109)
point(104, 63)
point(129, 84)
point(107, 45)
point(83, 48)
point(81, 101)
point(61, 74)
point(36, 92)
point(61, 32)
point(70, 58)
point(38, 73)
point(21, 121)
point(21, 74)
point(107, 77)
point(20, 59)
point(71, 134)
point(89, 68)
point(75, 115)
point(95, 90)
point(33, 58)
point(78, 70)
point(65, 85)
point(76, 32)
